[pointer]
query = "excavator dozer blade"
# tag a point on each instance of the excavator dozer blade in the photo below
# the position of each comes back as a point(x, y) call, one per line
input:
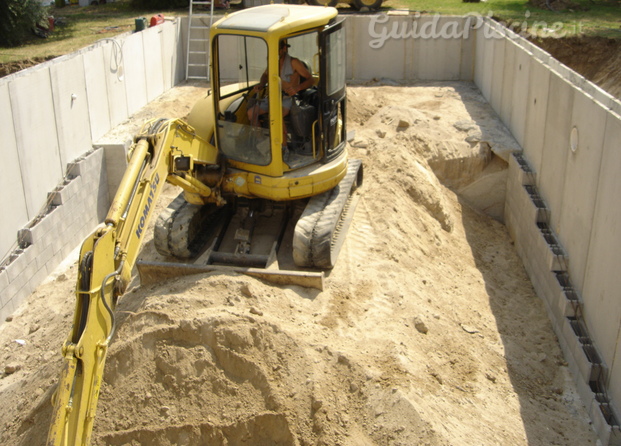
point(156, 272)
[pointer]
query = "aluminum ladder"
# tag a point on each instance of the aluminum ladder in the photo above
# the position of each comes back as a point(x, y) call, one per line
point(197, 56)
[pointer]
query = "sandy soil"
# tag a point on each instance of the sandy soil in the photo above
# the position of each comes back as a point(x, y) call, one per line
point(428, 331)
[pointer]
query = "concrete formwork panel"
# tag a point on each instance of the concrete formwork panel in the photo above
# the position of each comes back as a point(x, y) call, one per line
point(551, 178)
point(602, 281)
point(497, 67)
point(135, 73)
point(372, 43)
point(114, 66)
point(33, 109)
point(10, 179)
point(152, 43)
point(536, 111)
point(71, 108)
point(468, 48)
point(438, 50)
point(520, 89)
point(588, 122)
point(507, 83)
point(484, 59)
point(170, 31)
point(97, 92)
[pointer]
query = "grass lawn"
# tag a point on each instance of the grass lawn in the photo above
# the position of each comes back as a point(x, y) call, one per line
point(83, 26)
point(86, 25)
point(590, 18)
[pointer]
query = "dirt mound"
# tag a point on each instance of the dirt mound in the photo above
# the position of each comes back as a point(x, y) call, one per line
point(13, 67)
point(428, 330)
point(596, 58)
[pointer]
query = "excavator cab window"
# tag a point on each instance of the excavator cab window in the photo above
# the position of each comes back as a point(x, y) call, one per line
point(332, 104)
point(241, 62)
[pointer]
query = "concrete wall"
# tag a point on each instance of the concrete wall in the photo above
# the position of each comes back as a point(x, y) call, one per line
point(400, 47)
point(562, 205)
point(52, 114)
point(409, 47)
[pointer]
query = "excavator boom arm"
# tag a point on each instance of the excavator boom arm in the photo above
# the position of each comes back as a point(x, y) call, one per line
point(107, 257)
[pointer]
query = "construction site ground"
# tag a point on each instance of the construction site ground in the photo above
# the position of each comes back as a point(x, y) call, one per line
point(428, 331)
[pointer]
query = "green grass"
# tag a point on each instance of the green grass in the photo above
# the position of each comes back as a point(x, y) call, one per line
point(589, 18)
point(86, 25)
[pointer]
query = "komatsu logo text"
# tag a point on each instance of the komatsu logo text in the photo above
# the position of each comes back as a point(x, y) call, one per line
point(147, 206)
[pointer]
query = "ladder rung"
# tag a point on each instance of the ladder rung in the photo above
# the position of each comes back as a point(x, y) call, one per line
point(201, 15)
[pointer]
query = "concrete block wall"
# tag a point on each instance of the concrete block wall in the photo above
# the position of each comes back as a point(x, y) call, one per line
point(562, 205)
point(56, 186)
point(76, 207)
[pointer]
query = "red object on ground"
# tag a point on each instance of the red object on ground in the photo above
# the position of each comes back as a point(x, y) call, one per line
point(50, 24)
point(157, 20)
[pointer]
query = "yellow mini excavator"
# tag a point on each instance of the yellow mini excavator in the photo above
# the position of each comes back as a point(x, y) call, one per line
point(254, 157)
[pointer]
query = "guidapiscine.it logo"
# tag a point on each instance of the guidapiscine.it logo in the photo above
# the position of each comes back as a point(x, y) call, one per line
point(382, 28)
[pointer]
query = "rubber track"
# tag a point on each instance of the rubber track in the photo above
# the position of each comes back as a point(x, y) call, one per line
point(163, 225)
point(177, 228)
point(318, 228)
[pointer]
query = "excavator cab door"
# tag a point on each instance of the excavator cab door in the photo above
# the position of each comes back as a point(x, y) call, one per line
point(332, 89)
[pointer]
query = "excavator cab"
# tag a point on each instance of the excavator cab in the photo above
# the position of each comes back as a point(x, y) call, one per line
point(245, 47)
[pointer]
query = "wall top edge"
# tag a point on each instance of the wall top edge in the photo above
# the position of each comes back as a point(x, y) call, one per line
point(581, 83)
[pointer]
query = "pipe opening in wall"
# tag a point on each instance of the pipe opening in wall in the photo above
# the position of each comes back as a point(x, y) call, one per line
point(573, 139)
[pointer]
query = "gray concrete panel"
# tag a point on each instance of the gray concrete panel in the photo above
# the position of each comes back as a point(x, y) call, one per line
point(536, 111)
point(521, 87)
point(181, 50)
point(71, 108)
point(507, 82)
point(135, 73)
point(602, 280)
point(438, 50)
point(583, 165)
point(10, 179)
point(97, 92)
point(556, 146)
point(372, 42)
point(170, 31)
point(484, 56)
point(497, 68)
point(36, 137)
point(152, 43)
point(468, 49)
point(114, 65)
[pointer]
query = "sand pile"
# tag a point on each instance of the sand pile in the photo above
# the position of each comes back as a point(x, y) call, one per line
point(428, 331)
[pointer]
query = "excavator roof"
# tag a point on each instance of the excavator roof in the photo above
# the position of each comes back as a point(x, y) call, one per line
point(277, 17)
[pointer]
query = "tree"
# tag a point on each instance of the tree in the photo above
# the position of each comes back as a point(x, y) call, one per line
point(18, 18)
